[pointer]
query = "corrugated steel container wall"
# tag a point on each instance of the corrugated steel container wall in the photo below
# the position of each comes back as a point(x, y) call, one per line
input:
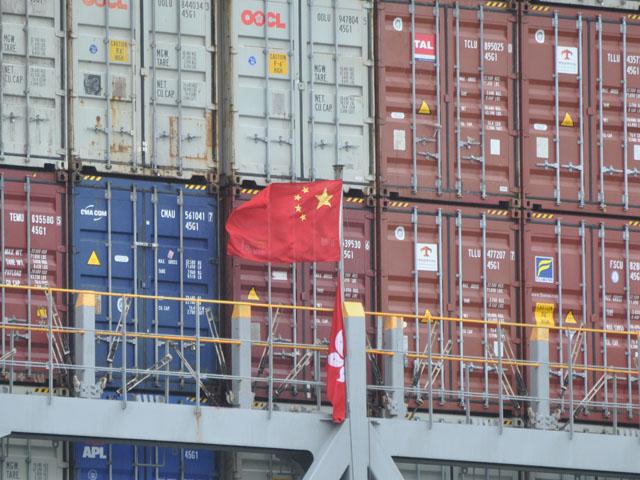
point(581, 130)
point(148, 238)
point(143, 87)
point(448, 133)
point(458, 262)
point(33, 94)
point(302, 284)
point(37, 459)
point(585, 269)
point(33, 245)
point(103, 461)
point(298, 94)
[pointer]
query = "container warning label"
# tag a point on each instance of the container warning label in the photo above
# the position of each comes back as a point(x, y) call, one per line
point(427, 257)
point(119, 51)
point(399, 140)
point(93, 259)
point(544, 269)
point(425, 47)
point(278, 64)
point(544, 314)
point(567, 60)
point(542, 147)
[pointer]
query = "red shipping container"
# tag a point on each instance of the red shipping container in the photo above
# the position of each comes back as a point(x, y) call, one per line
point(33, 242)
point(302, 284)
point(460, 262)
point(448, 133)
point(580, 109)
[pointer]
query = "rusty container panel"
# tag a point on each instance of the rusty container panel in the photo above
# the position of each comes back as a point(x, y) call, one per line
point(33, 244)
point(558, 267)
point(423, 98)
point(456, 263)
point(143, 112)
point(301, 284)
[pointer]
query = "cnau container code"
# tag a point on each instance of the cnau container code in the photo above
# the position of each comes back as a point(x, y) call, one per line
point(447, 101)
point(298, 82)
point(306, 284)
point(153, 238)
point(33, 249)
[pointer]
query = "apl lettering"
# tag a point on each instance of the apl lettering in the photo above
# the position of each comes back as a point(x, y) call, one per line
point(93, 452)
point(258, 18)
point(111, 4)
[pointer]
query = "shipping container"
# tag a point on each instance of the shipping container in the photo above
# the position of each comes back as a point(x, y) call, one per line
point(22, 458)
point(142, 77)
point(580, 111)
point(153, 238)
point(298, 91)
point(33, 93)
point(306, 284)
point(97, 460)
point(447, 101)
point(583, 272)
point(33, 249)
point(454, 262)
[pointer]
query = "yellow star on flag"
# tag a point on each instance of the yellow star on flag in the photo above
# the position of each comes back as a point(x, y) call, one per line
point(297, 198)
point(303, 217)
point(305, 189)
point(298, 208)
point(324, 199)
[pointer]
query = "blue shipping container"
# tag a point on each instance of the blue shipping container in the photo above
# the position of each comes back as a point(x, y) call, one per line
point(151, 238)
point(103, 461)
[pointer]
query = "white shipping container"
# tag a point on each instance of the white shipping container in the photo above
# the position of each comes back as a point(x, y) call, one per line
point(298, 83)
point(32, 459)
point(142, 82)
point(32, 92)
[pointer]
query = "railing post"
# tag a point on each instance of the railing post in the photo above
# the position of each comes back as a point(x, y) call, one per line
point(540, 389)
point(85, 347)
point(394, 366)
point(241, 356)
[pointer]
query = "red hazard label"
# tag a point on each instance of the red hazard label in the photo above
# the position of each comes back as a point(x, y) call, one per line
point(425, 47)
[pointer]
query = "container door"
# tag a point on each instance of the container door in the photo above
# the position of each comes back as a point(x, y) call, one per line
point(483, 46)
point(554, 108)
point(410, 99)
point(337, 72)
point(180, 130)
point(486, 251)
point(556, 271)
point(412, 280)
point(106, 110)
point(101, 461)
point(617, 175)
point(616, 288)
point(262, 143)
point(33, 89)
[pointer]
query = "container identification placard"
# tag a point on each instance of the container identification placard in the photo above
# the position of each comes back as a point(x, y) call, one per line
point(425, 47)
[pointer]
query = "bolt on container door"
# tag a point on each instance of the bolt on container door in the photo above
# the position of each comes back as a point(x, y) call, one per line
point(148, 238)
point(616, 86)
point(557, 271)
point(33, 93)
point(337, 75)
point(555, 104)
point(482, 42)
point(616, 291)
point(179, 123)
point(459, 263)
point(301, 284)
point(33, 246)
point(261, 71)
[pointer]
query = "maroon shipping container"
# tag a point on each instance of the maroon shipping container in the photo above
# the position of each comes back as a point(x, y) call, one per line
point(447, 105)
point(460, 262)
point(580, 109)
point(302, 284)
point(585, 272)
point(33, 242)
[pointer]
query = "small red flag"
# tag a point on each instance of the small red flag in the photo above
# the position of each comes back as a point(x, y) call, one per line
point(336, 386)
point(287, 223)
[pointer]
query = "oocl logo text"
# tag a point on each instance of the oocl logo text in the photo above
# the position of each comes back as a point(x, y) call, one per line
point(111, 4)
point(259, 18)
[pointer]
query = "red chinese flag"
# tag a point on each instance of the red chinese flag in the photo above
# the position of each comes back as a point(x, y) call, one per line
point(336, 387)
point(287, 223)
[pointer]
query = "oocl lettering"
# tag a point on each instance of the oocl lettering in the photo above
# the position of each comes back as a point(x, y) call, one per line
point(111, 4)
point(259, 18)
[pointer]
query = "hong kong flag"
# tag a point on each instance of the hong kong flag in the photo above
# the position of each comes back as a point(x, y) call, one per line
point(287, 223)
point(336, 386)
